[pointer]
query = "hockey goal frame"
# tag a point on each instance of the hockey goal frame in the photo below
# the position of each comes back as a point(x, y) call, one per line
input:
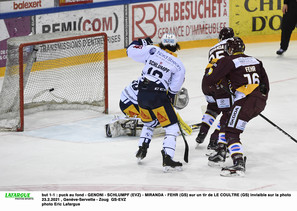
point(21, 69)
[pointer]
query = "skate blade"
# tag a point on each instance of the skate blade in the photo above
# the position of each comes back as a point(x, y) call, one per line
point(213, 152)
point(197, 146)
point(216, 164)
point(228, 173)
point(169, 169)
point(210, 153)
point(139, 160)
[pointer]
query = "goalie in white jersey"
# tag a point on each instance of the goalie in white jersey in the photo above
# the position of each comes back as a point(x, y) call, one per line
point(128, 100)
point(162, 78)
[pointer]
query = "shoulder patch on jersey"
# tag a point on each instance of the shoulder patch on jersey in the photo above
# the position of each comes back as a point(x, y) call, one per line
point(244, 61)
point(152, 51)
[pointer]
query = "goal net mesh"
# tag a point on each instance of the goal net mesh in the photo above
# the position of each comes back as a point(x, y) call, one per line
point(60, 71)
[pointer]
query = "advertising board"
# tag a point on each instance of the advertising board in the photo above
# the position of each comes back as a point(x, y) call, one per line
point(188, 20)
point(254, 17)
point(13, 27)
point(21, 5)
point(73, 2)
point(106, 19)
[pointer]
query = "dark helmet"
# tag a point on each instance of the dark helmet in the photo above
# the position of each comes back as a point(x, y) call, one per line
point(226, 33)
point(235, 44)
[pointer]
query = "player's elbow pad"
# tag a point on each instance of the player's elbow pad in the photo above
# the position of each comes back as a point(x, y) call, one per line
point(134, 42)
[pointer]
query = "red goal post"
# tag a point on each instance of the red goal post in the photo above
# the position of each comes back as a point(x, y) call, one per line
point(65, 70)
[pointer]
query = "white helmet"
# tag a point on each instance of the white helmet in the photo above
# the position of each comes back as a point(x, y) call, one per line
point(168, 39)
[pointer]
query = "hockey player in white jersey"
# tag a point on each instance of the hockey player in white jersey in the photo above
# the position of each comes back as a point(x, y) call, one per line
point(162, 78)
point(130, 124)
point(129, 106)
point(128, 100)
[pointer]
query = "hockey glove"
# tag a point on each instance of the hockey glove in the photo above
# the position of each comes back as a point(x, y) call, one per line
point(263, 89)
point(171, 98)
point(146, 41)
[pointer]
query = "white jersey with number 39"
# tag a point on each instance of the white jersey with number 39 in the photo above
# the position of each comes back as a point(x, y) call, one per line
point(159, 66)
point(129, 94)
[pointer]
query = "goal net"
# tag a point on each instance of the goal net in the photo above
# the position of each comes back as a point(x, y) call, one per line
point(65, 70)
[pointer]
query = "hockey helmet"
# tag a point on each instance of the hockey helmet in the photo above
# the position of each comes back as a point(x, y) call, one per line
point(226, 33)
point(181, 99)
point(168, 39)
point(234, 45)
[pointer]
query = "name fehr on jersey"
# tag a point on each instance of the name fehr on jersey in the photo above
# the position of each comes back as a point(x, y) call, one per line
point(159, 66)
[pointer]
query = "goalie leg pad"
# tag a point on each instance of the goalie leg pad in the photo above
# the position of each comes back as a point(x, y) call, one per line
point(121, 126)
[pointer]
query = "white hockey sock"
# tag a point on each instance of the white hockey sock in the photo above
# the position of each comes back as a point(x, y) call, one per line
point(169, 142)
point(146, 135)
point(218, 127)
point(208, 119)
point(222, 138)
point(235, 148)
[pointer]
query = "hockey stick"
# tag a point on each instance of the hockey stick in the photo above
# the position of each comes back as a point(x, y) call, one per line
point(186, 154)
point(184, 125)
point(195, 126)
point(261, 115)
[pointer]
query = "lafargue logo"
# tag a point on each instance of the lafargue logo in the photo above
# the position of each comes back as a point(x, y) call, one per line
point(19, 196)
point(26, 5)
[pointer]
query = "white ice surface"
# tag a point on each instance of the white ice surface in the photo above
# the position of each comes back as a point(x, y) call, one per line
point(68, 150)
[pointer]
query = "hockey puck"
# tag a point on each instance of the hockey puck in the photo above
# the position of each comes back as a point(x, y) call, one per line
point(52, 89)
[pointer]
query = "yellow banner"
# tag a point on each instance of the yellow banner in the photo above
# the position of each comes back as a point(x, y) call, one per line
point(255, 17)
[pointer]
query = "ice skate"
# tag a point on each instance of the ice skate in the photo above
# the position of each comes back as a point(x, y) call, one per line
point(141, 153)
point(200, 138)
point(238, 169)
point(170, 164)
point(280, 51)
point(212, 147)
point(219, 158)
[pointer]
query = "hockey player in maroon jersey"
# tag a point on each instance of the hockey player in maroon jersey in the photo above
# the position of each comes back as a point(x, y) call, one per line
point(250, 85)
point(218, 101)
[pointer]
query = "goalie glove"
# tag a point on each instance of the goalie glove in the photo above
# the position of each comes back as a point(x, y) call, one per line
point(181, 99)
point(263, 89)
